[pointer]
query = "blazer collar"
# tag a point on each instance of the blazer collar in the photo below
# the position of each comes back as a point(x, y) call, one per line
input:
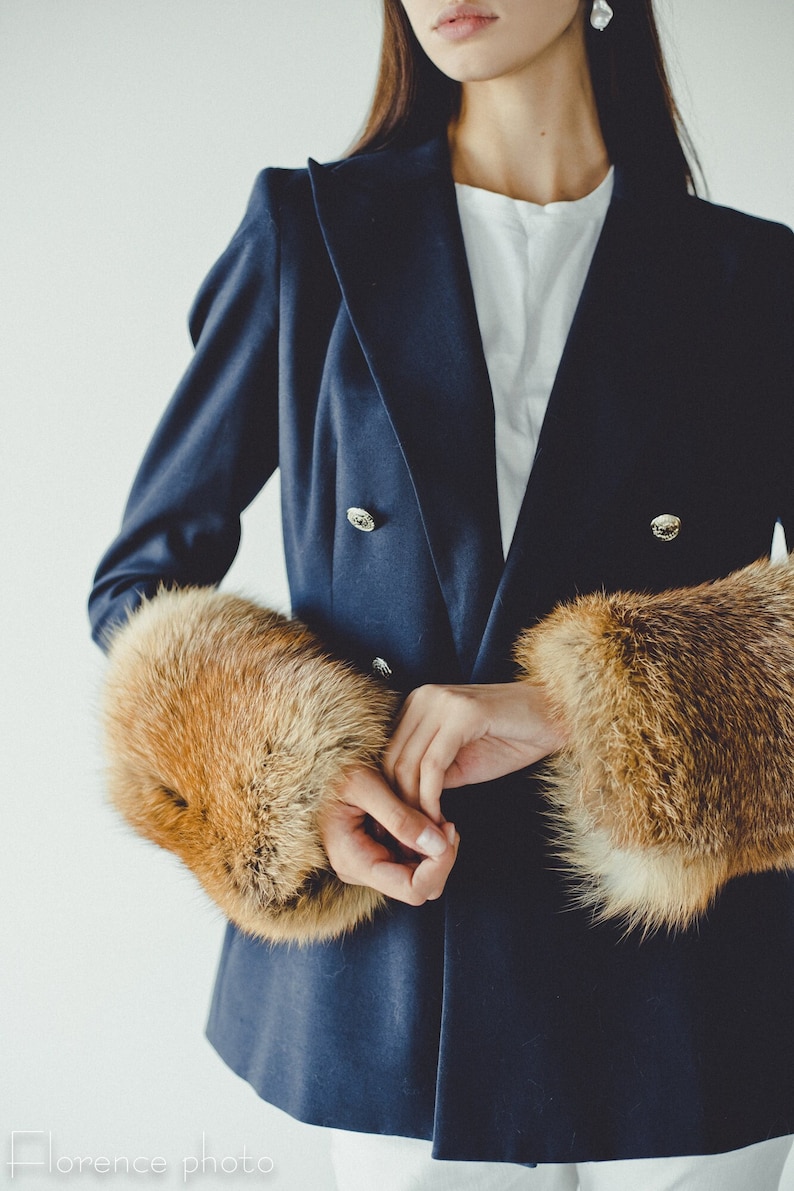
point(392, 231)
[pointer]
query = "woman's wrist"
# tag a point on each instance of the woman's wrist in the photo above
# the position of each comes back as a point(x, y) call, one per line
point(549, 728)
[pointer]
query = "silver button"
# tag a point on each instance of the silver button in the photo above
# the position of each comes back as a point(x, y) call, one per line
point(665, 527)
point(382, 667)
point(361, 519)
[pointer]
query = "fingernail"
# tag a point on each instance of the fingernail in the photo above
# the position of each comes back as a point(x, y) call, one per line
point(431, 842)
point(450, 833)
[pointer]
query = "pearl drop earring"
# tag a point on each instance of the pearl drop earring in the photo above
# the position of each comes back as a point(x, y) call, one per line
point(601, 15)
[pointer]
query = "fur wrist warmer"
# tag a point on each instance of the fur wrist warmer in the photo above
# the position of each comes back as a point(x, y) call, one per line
point(679, 770)
point(228, 729)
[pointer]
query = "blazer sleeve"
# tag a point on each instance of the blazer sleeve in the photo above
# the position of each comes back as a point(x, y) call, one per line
point(227, 727)
point(217, 442)
point(678, 774)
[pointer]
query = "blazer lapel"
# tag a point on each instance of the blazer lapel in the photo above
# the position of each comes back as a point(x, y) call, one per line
point(608, 400)
point(392, 231)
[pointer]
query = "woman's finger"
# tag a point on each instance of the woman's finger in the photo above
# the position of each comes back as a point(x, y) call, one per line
point(403, 766)
point(414, 884)
point(408, 825)
point(360, 859)
point(436, 724)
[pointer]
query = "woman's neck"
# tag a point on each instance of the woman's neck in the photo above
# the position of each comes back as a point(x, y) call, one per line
point(533, 135)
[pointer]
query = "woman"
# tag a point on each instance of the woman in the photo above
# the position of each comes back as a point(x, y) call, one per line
point(512, 242)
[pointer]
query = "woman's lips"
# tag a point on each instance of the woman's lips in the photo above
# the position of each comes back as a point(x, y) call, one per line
point(459, 21)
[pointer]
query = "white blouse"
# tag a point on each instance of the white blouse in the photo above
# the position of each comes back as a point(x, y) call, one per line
point(528, 264)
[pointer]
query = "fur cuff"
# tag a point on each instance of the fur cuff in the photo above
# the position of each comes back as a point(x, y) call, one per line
point(227, 729)
point(679, 772)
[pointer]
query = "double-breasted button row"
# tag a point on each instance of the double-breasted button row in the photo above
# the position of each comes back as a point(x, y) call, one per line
point(665, 527)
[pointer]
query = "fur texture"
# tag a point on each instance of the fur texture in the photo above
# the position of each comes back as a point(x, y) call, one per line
point(227, 730)
point(679, 771)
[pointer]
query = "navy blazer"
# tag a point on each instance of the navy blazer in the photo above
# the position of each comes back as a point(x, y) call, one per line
point(337, 337)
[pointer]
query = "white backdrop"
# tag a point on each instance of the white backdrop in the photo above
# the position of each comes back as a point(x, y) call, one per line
point(130, 134)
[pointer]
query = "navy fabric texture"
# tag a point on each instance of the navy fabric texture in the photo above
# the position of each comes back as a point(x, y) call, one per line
point(337, 338)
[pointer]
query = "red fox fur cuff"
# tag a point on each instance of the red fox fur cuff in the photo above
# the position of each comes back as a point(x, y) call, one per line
point(228, 729)
point(679, 771)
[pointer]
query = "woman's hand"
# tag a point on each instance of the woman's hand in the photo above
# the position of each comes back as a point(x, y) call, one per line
point(451, 736)
point(372, 837)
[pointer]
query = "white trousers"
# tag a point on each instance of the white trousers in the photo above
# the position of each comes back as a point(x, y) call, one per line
point(369, 1162)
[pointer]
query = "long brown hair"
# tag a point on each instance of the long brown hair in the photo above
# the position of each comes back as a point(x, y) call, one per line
point(640, 120)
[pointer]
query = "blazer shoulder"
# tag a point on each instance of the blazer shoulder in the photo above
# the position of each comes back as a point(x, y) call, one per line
point(248, 267)
point(736, 228)
point(737, 249)
point(273, 188)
